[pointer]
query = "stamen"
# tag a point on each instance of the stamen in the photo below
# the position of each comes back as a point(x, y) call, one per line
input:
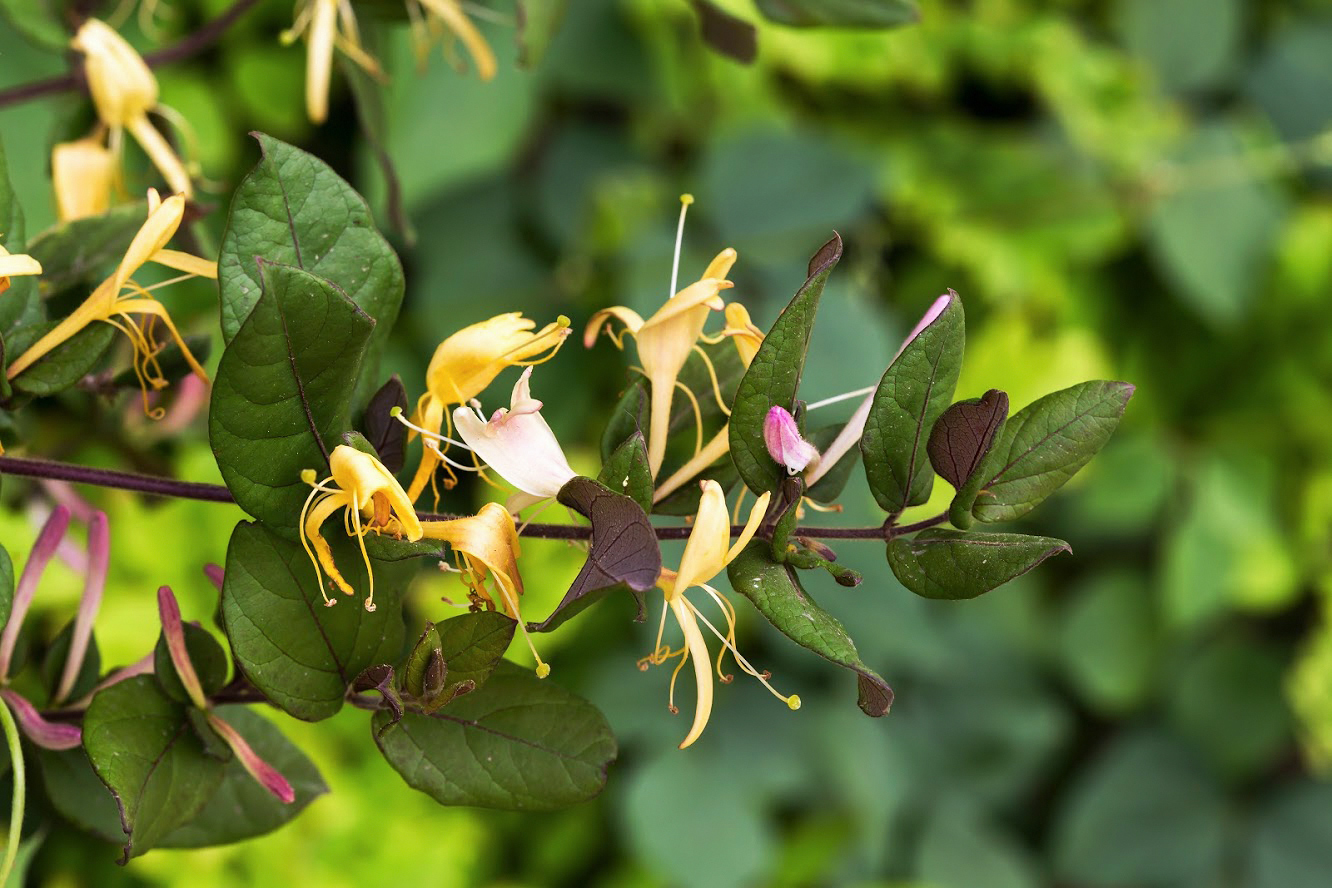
point(712, 374)
point(365, 556)
point(845, 396)
point(792, 700)
point(316, 492)
point(698, 416)
point(685, 201)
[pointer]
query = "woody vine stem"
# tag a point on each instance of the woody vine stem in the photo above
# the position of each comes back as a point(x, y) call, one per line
point(216, 493)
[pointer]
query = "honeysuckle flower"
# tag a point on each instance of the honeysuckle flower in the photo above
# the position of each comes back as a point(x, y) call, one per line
point(82, 172)
point(666, 339)
point(485, 551)
point(850, 434)
point(432, 17)
point(518, 444)
point(326, 24)
point(99, 556)
point(55, 736)
point(373, 500)
point(48, 540)
point(16, 265)
point(173, 631)
point(785, 446)
point(124, 90)
point(747, 338)
point(118, 299)
point(468, 361)
point(707, 552)
point(264, 774)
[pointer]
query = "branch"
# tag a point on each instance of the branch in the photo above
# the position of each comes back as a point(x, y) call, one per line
point(191, 45)
point(216, 493)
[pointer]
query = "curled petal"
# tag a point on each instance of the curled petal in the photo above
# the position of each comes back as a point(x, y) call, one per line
point(265, 774)
point(48, 735)
point(174, 633)
point(53, 531)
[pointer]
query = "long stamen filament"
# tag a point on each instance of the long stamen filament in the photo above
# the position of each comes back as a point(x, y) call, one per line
point(845, 396)
point(712, 375)
point(792, 700)
point(685, 201)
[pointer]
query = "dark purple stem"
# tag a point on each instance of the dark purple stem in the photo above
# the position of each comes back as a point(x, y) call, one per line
point(195, 43)
point(216, 493)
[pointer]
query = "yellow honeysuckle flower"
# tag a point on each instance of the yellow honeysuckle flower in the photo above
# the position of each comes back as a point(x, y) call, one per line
point(14, 265)
point(431, 17)
point(118, 299)
point(124, 90)
point(82, 172)
point(468, 361)
point(666, 339)
point(359, 484)
point(485, 550)
point(326, 24)
point(707, 552)
point(747, 338)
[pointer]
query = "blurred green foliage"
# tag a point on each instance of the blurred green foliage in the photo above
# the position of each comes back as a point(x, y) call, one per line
point(1131, 189)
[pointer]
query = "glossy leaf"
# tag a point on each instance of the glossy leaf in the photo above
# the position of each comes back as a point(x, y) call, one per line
point(85, 250)
point(841, 13)
point(1045, 443)
point(949, 564)
point(776, 591)
point(300, 653)
point(240, 808)
point(65, 364)
point(19, 306)
point(773, 378)
point(628, 472)
point(294, 210)
point(519, 743)
point(473, 645)
point(78, 794)
point(622, 553)
point(910, 398)
point(829, 487)
point(626, 419)
point(207, 657)
point(142, 747)
point(283, 390)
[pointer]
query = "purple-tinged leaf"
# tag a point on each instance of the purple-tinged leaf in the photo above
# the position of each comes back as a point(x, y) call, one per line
point(729, 35)
point(382, 430)
point(963, 435)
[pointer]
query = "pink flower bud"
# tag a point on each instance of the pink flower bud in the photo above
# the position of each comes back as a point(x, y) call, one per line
point(784, 443)
point(48, 735)
point(99, 553)
point(174, 633)
point(42, 550)
point(267, 775)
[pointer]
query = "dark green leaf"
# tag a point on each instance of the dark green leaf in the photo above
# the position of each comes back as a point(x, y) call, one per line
point(210, 664)
point(627, 471)
point(1045, 444)
point(282, 395)
point(301, 654)
point(731, 36)
point(913, 393)
point(776, 591)
point(952, 565)
point(773, 378)
point(65, 364)
point(622, 553)
point(841, 13)
point(626, 419)
point(386, 434)
point(6, 586)
point(53, 664)
point(19, 305)
point(519, 743)
point(472, 646)
point(964, 434)
point(78, 794)
point(241, 808)
point(84, 251)
point(294, 210)
point(142, 747)
point(412, 677)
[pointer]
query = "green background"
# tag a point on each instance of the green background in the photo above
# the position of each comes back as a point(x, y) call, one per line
point(1125, 189)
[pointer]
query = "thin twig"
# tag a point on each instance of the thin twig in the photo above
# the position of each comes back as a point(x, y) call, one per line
point(191, 45)
point(216, 493)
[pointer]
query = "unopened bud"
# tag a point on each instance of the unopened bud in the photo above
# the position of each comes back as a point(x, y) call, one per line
point(785, 446)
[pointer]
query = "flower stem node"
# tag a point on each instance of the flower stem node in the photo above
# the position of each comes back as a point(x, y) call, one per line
point(371, 500)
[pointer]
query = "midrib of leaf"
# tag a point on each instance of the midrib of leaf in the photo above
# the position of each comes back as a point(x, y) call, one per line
point(1028, 451)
